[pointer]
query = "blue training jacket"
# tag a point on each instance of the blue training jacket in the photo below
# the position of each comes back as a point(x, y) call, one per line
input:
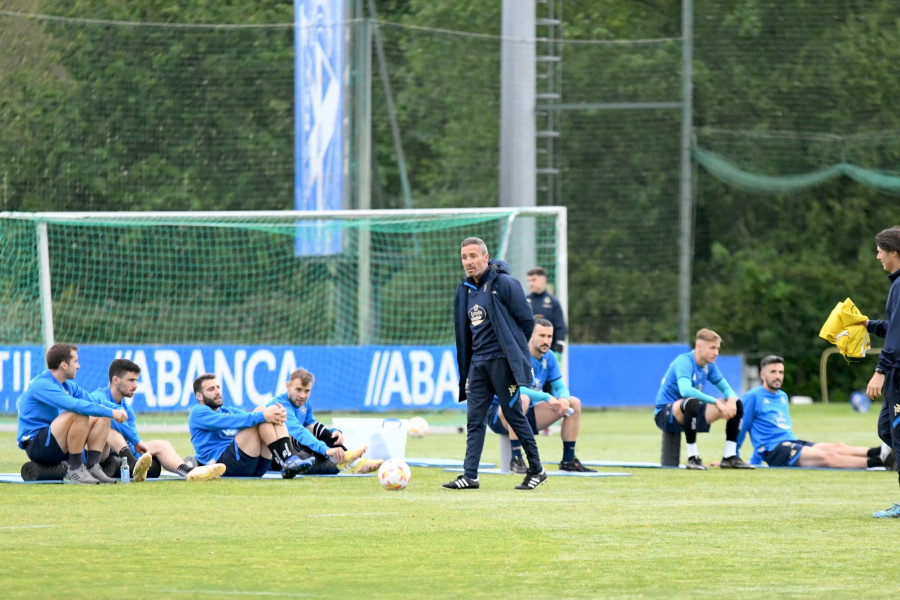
point(889, 329)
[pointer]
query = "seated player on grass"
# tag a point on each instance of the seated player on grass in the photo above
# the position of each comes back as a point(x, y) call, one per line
point(145, 458)
point(312, 439)
point(767, 418)
point(542, 409)
point(245, 442)
point(58, 419)
point(681, 404)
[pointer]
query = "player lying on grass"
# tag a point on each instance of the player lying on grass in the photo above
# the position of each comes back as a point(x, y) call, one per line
point(245, 442)
point(541, 408)
point(313, 440)
point(767, 418)
point(145, 458)
point(58, 419)
point(681, 404)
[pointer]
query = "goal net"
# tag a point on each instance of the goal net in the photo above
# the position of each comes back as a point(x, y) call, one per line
point(363, 299)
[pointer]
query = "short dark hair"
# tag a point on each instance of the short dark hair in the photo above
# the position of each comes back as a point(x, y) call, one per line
point(889, 239)
point(58, 354)
point(542, 322)
point(198, 383)
point(772, 359)
point(303, 375)
point(537, 271)
point(120, 366)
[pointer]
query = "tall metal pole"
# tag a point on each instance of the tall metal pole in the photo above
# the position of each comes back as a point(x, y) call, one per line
point(518, 179)
point(686, 238)
point(46, 285)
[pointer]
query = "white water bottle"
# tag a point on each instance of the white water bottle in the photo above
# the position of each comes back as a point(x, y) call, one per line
point(124, 471)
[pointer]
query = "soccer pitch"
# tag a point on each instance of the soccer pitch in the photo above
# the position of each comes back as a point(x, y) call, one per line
point(657, 533)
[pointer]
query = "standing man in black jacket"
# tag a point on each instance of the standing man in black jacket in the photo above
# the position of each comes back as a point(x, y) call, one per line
point(544, 304)
point(886, 379)
point(493, 323)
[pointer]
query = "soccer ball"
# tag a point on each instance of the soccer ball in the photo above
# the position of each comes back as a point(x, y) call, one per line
point(418, 427)
point(394, 474)
point(860, 402)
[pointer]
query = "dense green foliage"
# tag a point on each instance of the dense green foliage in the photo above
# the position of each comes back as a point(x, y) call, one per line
point(113, 117)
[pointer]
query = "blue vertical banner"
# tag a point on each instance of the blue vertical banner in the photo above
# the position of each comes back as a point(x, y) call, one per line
point(318, 121)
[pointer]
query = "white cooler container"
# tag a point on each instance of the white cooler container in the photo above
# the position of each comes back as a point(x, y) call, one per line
point(385, 438)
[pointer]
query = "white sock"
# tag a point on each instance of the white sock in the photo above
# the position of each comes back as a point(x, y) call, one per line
point(885, 450)
point(692, 449)
point(730, 449)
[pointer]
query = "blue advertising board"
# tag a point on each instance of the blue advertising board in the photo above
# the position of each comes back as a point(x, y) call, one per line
point(363, 378)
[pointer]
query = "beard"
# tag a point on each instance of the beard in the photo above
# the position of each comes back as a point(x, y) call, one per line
point(213, 402)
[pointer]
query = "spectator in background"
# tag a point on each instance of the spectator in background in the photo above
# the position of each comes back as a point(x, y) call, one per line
point(545, 305)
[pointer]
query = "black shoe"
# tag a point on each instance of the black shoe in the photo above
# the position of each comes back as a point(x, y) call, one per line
point(462, 483)
point(734, 462)
point(33, 471)
point(576, 466)
point(111, 466)
point(695, 464)
point(517, 466)
point(532, 480)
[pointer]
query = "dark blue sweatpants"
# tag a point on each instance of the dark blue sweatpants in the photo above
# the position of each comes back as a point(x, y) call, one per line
point(889, 417)
point(487, 378)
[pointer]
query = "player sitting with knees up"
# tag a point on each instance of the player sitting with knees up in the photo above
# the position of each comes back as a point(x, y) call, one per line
point(312, 439)
point(681, 404)
point(245, 442)
point(767, 418)
point(542, 409)
point(58, 419)
point(145, 459)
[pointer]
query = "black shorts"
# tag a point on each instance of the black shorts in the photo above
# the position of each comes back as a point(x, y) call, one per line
point(785, 454)
point(238, 464)
point(665, 420)
point(496, 425)
point(43, 448)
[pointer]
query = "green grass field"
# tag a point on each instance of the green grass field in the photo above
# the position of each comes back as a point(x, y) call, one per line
point(656, 534)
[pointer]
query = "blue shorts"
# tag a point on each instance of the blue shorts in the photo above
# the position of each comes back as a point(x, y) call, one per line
point(43, 448)
point(238, 464)
point(665, 420)
point(785, 454)
point(496, 425)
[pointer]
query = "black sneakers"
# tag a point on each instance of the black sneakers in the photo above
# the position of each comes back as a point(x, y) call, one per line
point(462, 483)
point(576, 466)
point(734, 462)
point(532, 480)
point(517, 466)
point(695, 464)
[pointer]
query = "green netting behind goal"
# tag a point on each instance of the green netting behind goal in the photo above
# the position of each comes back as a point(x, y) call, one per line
point(237, 278)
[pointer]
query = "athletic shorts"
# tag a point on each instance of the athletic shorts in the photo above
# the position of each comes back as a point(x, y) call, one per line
point(496, 425)
point(665, 420)
point(43, 448)
point(238, 464)
point(785, 454)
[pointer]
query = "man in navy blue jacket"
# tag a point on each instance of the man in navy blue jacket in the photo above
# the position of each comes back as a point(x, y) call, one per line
point(493, 323)
point(886, 380)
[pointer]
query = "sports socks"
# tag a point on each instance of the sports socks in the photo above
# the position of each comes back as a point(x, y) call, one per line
point(75, 460)
point(126, 453)
point(515, 447)
point(93, 458)
point(183, 470)
point(568, 451)
point(281, 450)
point(690, 408)
point(732, 428)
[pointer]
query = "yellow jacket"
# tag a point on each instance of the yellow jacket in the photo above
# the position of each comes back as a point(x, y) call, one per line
point(838, 329)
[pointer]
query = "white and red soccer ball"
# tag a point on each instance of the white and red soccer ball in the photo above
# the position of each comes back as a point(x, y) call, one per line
point(394, 474)
point(417, 427)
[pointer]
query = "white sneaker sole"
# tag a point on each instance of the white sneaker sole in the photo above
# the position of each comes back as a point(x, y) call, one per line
point(141, 467)
point(206, 472)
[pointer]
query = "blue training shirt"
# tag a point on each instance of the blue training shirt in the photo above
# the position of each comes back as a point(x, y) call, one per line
point(212, 430)
point(128, 429)
point(298, 418)
point(767, 418)
point(684, 367)
point(45, 398)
